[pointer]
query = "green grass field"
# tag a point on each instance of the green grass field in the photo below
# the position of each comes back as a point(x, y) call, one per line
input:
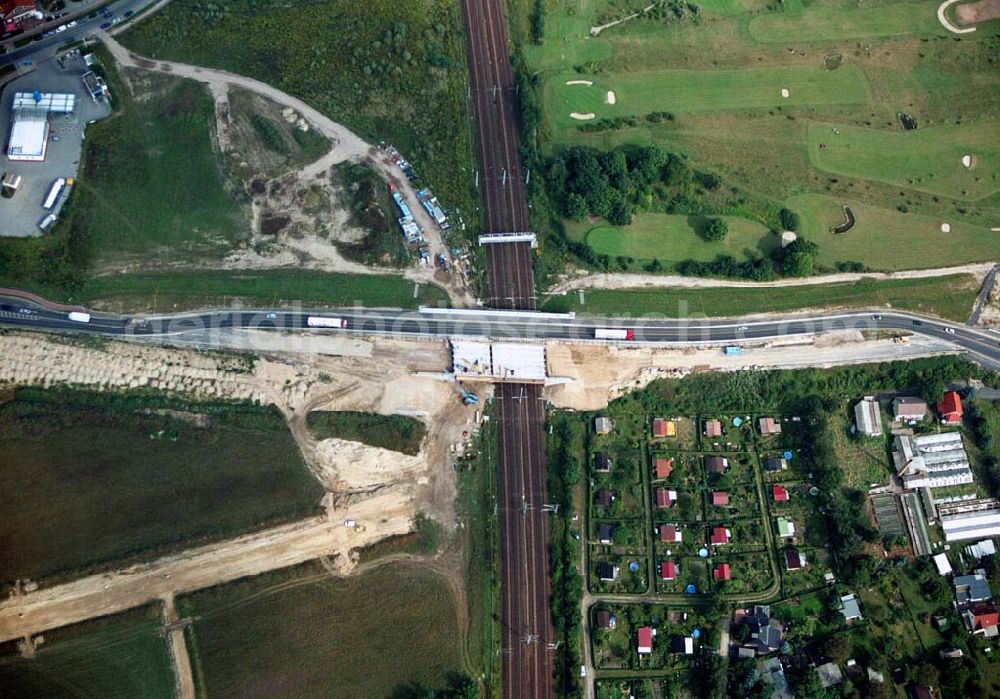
point(92, 478)
point(389, 70)
point(175, 291)
point(839, 23)
point(927, 159)
point(672, 238)
point(679, 91)
point(301, 633)
point(395, 432)
point(117, 657)
point(152, 181)
point(949, 297)
point(889, 240)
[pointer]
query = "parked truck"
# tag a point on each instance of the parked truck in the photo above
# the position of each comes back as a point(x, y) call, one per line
point(79, 316)
point(324, 322)
point(733, 350)
point(53, 196)
point(613, 334)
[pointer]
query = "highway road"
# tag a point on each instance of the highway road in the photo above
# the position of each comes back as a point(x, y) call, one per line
point(46, 48)
point(982, 345)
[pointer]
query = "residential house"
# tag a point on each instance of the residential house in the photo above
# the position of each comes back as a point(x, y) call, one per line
point(720, 498)
point(982, 619)
point(794, 560)
point(605, 533)
point(950, 409)
point(603, 425)
point(664, 467)
point(765, 633)
point(602, 464)
point(682, 645)
point(14, 11)
point(829, 675)
point(668, 570)
point(670, 534)
point(850, 608)
point(722, 572)
point(604, 498)
point(716, 464)
point(931, 460)
point(786, 528)
point(908, 409)
point(942, 563)
point(713, 428)
point(773, 464)
point(776, 673)
point(644, 636)
point(665, 498)
point(779, 493)
point(868, 417)
point(605, 620)
point(664, 428)
point(768, 425)
point(971, 589)
point(720, 536)
point(607, 572)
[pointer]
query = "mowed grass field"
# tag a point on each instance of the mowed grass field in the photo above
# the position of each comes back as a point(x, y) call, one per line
point(93, 478)
point(299, 633)
point(266, 288)
point(672, 238)
point(838, 23)
point(888, 238)
point(949, 297)
point(637, 94)
point(927, 159)
point(117, 657)
point(862, 67)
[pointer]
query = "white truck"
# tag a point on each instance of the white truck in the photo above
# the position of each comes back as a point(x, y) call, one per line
point(323, 322)
point(613, 334)
point(79, 316)
point(53, 196)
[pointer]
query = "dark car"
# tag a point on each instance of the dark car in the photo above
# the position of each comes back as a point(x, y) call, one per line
point(105, 25)
point(128, 14)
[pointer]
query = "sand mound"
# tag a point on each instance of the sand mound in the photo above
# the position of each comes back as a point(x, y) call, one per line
point(582, 117)
point(969, 161)
point(785, 93)
point(610, 99)
point(588, 83)
point(946, 228)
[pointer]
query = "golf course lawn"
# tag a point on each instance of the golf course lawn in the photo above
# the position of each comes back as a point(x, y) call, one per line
point(672, 238)
point(638, 94)
point(927, 159)
point(831, 24)
point(886, 239)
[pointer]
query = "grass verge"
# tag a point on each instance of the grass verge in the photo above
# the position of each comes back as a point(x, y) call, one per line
point(949, 297)
point(395, 432)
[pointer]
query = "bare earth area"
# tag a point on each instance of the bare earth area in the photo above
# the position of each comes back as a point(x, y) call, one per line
point(975, 12)
point(649, 281)
point(304, 250)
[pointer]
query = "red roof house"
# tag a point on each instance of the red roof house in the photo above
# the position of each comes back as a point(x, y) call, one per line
point(15, 10)
point(668, 571)
point(645, 638)
point(665, 498)
point(713, 428)
point(982, 618)
point(794, 560)
point(669, 534)
point(663, 467)
point(720, 536)
point(716, 464)
point(722, 572)
point(779, 493)
point(950, 408)
point(663, 428)
point(720, 498)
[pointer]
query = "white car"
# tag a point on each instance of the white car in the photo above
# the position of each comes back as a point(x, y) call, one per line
point(950, 331)
point(60, 28)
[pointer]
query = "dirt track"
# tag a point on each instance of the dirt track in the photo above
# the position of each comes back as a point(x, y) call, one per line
point(278, 547)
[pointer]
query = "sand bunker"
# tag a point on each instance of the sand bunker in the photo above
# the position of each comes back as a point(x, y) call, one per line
point(969, 161)
point(588, 83)
point(785, 93)
point(946, 228)
point(610, 99)
point(582, 117)
point(975, 12)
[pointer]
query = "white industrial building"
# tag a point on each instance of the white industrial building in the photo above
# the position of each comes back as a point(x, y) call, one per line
point(29, 131)
point(932, 460)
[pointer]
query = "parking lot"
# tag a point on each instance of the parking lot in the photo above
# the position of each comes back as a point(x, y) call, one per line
point(20, 215)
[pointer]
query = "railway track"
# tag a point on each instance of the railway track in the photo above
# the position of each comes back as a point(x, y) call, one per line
point(525, 618)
